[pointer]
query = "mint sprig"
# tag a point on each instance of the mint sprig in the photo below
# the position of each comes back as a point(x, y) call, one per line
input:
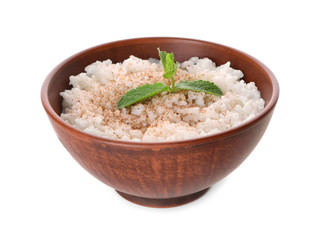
point(170, 68)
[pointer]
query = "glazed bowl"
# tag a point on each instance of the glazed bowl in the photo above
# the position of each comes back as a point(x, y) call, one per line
point(161, 174)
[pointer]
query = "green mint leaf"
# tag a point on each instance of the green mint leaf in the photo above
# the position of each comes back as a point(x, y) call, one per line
point(141, 93)
point(170, 74)
point(199, 86)
point(162, 55)
point(167, 60)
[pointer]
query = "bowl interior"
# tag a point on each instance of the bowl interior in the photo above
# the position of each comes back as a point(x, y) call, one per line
point(144, 48)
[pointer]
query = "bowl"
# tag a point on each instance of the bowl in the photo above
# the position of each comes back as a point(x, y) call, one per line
point(161, 174)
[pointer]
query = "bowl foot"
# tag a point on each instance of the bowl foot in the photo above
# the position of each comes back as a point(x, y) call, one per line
point(162, 202)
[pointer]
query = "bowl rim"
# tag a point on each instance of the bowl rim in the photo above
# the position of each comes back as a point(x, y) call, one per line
point(269, 106)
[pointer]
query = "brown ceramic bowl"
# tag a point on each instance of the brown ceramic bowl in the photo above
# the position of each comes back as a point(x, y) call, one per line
point(161, 174)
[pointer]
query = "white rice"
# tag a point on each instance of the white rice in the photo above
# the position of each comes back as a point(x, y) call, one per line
point(91, 104)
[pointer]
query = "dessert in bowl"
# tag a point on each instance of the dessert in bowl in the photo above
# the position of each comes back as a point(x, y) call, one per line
point(154, 172)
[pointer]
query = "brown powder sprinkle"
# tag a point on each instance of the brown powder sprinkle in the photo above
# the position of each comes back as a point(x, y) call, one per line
point(91, 104)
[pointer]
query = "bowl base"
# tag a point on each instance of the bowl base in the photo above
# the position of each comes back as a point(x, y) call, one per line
point(162, 202)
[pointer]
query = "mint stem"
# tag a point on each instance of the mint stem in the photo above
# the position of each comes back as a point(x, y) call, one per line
point(173, 85)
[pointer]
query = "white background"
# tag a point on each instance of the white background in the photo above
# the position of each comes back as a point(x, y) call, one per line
point(282, 191)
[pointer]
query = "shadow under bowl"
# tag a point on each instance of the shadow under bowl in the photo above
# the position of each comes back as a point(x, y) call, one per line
point(161, 174)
